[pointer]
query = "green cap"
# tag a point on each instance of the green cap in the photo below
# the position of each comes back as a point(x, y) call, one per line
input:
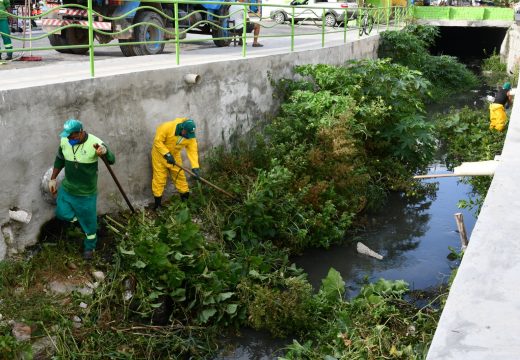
point(70, 126)
point(507, 86)
point(189, 126)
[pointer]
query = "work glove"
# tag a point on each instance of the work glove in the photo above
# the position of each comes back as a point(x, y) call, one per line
point(100, 149)
point(196, 172)
point(169, 159)
point(52, 186)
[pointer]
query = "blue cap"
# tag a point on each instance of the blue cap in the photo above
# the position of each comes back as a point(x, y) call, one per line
point(189, 126)
point(507, 86)
point(70, 126)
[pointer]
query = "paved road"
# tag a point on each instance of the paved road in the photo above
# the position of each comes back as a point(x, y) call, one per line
point(269, 30)
point(56, 67)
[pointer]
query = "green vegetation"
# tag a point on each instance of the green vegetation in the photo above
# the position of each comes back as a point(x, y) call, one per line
point(344, 137)
point(466, 136)
point(495, 72)
point(410, 48)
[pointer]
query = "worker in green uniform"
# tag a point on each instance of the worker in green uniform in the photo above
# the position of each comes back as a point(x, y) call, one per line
point(77, 196)
point(5, 6)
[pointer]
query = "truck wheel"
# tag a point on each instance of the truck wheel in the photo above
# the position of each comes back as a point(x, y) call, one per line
point(127, 50)
point(58, 40)
point(330, 20)
point(220, 33)
point(146, 32)
point(75, 36)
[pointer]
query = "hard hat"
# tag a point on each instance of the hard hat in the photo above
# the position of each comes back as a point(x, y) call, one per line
point(70, 126)
point(189, 126)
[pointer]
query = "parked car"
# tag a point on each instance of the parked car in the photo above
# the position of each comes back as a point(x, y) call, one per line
point(313, 10)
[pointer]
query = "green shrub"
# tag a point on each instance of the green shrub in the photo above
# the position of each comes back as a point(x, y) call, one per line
point(409, 47)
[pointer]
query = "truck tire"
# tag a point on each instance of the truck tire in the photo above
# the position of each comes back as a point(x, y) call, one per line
point(58, 40)
point(219, 33)
point(147, 32)
point(76, 36)
point(127, 50)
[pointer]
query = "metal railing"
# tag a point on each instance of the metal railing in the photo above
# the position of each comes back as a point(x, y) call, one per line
point(177, 18)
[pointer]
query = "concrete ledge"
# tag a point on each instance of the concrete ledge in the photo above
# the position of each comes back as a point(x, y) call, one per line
point(481, 319)
point(467, 23)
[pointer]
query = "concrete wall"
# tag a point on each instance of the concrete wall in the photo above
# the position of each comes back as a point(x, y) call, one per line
point(480, 320)
point(124, 111)
point(510, 49)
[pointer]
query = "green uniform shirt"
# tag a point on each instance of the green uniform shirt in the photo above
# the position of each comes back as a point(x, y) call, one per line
point(81, 165)
point(4, 5)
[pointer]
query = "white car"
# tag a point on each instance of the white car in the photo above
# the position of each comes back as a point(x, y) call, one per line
point(313, 10)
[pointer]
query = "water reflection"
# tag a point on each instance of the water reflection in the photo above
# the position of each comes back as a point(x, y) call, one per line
point(412, 237)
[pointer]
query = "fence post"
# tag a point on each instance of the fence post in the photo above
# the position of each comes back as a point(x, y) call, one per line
point(90, 37)
point(176, 19)
point(323, 28)
point(345, 23)
point(388, 10)
point(244, 23)
point(292, 29)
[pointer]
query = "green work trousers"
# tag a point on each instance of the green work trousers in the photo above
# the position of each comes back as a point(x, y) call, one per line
point(4, 28)
point(83, 208)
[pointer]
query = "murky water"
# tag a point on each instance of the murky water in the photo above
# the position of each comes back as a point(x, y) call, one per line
point(412, 237)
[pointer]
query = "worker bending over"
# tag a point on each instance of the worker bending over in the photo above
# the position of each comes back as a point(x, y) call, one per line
point(170, 138)
point(77, 196)
point(497, 110)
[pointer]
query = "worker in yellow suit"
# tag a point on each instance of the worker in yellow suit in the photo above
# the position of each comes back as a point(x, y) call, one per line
point(497, 110)
point(170, 138)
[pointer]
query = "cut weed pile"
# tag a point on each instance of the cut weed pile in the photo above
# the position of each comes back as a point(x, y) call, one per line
point(344, 137)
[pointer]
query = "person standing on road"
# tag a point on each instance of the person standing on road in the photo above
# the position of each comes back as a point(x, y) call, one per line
point(170, 138)
point(236, 14)
point(497, 110)
point(78, 153)
point(5, 5)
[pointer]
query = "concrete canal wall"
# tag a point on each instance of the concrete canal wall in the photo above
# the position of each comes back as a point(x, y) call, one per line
point(124, 109)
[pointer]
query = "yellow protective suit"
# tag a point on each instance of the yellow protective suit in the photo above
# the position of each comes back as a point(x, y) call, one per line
point(497, 117)
point(167, 142)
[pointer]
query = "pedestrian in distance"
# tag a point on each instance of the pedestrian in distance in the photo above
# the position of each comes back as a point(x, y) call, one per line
point(170, 139)
point(5, 6)
point(497, 110)
point(78, 153)
point(236, 14)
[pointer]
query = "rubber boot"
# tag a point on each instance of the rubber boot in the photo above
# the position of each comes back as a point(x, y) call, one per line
point(9, 56)
point(157, 203)
point(185, 196)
